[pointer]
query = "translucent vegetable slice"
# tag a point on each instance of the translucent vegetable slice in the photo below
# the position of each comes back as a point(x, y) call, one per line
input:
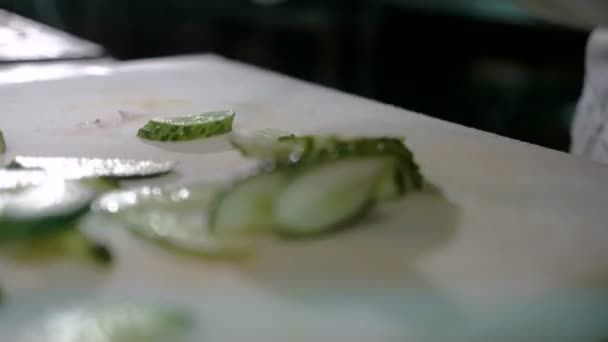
point(326, 196)
point(247, 205)
point(13, 179)
point(264, 144)
point(75, 168)
point(402, 174)
point(42, 209)
point(176, 218)
point(189, 127)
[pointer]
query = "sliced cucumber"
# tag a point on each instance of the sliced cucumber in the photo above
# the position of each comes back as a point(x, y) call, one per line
point(401, 176)
point(247, 205)
point(405, 173)
point(188, 127)
point(76, 168)
point(11, 179)
point(42, 209)
point(328, 195)
point(265, 144)
point(118, 323)
point(2, 143)
point(175, 218)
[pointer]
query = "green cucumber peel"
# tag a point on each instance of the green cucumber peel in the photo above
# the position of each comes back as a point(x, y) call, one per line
point(190, 127)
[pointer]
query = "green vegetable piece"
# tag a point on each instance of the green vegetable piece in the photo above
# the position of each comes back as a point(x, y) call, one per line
point(247, 205)
point(175, 218)
point(77, 168)
point(326, 196)
point(189, 127)
point(118, 323)
point(42, 209)
point(2, 143)
point(401, 175)
point(265, 144)
point(13, 179)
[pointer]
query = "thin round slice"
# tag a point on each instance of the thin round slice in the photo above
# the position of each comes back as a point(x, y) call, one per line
point(117, 323)
point(326, 196)
point(247, 205)
point(37, 210)
point(188, 127)
point(75, 168)
point(14, 179)
point(173, 217)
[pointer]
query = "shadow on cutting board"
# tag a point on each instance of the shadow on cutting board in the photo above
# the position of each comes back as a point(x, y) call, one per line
point(370, 267)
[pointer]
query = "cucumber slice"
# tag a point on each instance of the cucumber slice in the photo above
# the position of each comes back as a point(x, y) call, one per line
point(118, 323)
point(2, 143)
point(76, 168)
point(175, 218)
point(265, 144)
point(188, 127)
point(247, 205)
point(402, 175)
point(42, 209)
point(326, 196)
point(15, 179)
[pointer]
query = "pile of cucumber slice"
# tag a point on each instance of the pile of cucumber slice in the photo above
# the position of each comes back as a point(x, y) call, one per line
point(312, 185)
point(304, 186)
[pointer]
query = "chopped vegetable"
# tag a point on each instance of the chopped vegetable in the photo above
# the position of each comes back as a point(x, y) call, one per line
point(188, 127)
point(2, 143)
point(265, 144)
point(402, 174)
point(247, 205)
point(325, 196)
point(118, 323)
point(12, 179)
point(175, 218)
point(75, 168)
point(42, 209)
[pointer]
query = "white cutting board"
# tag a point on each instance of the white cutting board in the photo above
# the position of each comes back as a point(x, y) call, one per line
point(516, 247)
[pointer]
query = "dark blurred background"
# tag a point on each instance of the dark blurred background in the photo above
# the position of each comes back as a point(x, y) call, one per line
point(481, 63)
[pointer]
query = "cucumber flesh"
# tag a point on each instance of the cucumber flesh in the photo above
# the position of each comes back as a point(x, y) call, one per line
point(264, 144)
point(11, 179)
point(328, 195)
point(75, 168)
point(189, 127)
point(42, 209)
point(403, 177)
point(173, 217)
point(247, 205)
point(112, 323)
